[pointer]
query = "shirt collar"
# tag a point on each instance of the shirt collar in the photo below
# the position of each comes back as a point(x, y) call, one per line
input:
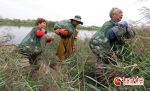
point(112, 21)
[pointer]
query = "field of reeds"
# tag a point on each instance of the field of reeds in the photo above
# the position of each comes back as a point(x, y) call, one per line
point(78, 71)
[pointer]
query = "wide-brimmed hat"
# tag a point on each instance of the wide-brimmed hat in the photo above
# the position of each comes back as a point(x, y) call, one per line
point(77, 18)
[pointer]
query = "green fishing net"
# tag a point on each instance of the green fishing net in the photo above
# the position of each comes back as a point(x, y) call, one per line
point(30, 45)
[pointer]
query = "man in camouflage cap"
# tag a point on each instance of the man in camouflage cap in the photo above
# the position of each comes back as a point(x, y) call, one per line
point(108, 39)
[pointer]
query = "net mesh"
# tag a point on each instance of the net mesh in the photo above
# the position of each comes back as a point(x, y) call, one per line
point(30, 45)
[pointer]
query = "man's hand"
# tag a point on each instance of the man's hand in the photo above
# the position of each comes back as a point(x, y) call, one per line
point(73, 50)
point(63, 32)
point(52, 38)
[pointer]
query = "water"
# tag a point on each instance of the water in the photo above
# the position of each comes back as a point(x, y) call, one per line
point(20, 32)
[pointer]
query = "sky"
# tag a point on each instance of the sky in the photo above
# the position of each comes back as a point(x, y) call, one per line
point(93, 12)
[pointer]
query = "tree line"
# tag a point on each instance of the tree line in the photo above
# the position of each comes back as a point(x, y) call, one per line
point(31, 22)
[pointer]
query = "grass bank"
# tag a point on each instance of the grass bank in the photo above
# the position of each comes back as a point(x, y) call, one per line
point(77, 72)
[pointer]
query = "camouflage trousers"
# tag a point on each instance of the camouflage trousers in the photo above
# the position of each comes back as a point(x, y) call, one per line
point(104, 73)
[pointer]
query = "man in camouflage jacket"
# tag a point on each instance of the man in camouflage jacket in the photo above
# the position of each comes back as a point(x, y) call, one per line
point(109, 38)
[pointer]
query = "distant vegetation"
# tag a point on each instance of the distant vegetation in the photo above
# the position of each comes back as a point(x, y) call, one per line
point(30, 23)
point(88, 27)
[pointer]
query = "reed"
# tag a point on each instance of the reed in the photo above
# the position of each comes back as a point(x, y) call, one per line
point(77, 72)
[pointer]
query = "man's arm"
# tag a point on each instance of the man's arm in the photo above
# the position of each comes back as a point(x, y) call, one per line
point(63, 32)
point(39, 33)
point(74, 41)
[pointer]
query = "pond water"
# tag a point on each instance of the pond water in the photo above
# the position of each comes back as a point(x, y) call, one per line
point(20, 32)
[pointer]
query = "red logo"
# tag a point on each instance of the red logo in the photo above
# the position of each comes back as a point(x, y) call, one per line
point(128, 81)
point(116, 81)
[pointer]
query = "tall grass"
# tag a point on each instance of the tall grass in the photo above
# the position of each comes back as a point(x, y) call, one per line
point(77, 72)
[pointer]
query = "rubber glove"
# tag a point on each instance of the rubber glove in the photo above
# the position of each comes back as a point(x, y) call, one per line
point(63, 32)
